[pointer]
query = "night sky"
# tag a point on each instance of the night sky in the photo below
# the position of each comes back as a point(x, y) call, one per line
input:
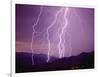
point(79, 34)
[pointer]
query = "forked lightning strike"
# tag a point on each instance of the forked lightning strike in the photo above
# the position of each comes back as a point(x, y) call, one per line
point(33, 27)
point(61, 34)
point(48, 28)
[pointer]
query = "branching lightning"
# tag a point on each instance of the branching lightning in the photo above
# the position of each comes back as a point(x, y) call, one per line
point(61, 33)
point(61, 41)
point(33, 27)
point(49, 27)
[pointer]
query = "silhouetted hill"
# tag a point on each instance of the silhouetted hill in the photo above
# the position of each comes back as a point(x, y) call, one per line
point(24, 62)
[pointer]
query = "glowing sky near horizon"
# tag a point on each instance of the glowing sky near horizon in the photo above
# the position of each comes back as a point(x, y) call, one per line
point(80, 29)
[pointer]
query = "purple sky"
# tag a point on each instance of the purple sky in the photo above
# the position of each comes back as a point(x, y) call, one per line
point(79, 34)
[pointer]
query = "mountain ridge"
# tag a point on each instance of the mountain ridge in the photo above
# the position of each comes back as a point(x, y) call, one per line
point(24, 62)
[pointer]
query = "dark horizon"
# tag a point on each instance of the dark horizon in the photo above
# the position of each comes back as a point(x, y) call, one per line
point(81, 61)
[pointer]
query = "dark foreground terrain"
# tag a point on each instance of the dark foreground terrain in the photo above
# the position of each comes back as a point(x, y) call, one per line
point(24, 62)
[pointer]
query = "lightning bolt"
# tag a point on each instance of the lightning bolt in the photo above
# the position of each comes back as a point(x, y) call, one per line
point(61, 36)
point(68, 33)
point(33, 27)
point(48, 28)
point(61, 33)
